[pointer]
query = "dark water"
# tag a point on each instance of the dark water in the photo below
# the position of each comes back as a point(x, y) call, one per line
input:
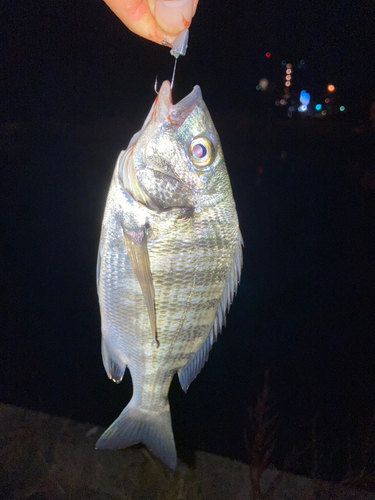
point(304, 310)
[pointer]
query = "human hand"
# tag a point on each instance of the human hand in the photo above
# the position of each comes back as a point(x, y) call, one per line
point(156, 20)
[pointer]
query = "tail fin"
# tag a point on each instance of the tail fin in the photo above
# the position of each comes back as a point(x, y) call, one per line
point(135, 425)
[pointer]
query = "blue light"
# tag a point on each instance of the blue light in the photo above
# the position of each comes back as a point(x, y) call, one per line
point(283, 63)
point(302, 62)
point(302, 108)
point(342, 108)
point(304, 97)
point(318, 107)
point(258, 87)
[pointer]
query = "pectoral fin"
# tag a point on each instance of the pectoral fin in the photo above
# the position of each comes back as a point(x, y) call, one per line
point(136, 248)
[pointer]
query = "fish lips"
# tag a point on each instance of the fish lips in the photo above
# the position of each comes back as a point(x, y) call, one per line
point(175, 113)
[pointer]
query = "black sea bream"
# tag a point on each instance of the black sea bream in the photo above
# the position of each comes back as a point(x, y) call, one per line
point(169, 263)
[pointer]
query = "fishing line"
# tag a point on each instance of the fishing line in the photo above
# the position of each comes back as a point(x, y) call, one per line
point(174, 72)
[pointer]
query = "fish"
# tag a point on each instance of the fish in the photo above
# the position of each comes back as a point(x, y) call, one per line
point(169, 264)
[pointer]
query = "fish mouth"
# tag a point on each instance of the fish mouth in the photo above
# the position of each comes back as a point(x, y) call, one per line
point(175, 113)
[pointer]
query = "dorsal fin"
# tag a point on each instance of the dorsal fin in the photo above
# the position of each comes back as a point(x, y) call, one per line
point(192, 368)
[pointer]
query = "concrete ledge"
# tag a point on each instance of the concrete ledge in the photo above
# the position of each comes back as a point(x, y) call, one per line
point(51, 458)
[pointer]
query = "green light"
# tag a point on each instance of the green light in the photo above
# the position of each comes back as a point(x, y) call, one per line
point(342, 108)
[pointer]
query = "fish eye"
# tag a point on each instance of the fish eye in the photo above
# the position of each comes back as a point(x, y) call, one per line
point(202, 152)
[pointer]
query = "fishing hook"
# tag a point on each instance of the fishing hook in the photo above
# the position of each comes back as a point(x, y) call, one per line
point(172, 82)
point(156, 85)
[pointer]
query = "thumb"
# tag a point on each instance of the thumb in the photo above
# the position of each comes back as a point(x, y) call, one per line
point(173, 16)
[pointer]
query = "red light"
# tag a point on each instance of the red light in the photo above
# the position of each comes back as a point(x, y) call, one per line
point(260, 170)
point(268, 54)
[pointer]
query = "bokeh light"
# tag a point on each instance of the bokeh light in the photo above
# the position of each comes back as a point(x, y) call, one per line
point(304, 98)
point(331, 88)
point(263, 83)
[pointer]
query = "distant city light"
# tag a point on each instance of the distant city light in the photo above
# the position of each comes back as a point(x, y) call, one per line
point(263, 83)
point(258, 87)
point(302, 108)
point(302, 62)
point(342, 108)
point(327, 100)
point(318, 107)
point(268, 54)
point(304, 97)
point(288, 76)
point(283, 63)
point(324, 112)
point(260, 170)
point(331, 88)
point(282, 102)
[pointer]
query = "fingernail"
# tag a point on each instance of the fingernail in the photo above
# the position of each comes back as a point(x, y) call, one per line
point(174, 16)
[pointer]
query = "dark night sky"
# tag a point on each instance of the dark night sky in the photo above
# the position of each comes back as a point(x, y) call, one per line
point(78, 60)
point(76, 84)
